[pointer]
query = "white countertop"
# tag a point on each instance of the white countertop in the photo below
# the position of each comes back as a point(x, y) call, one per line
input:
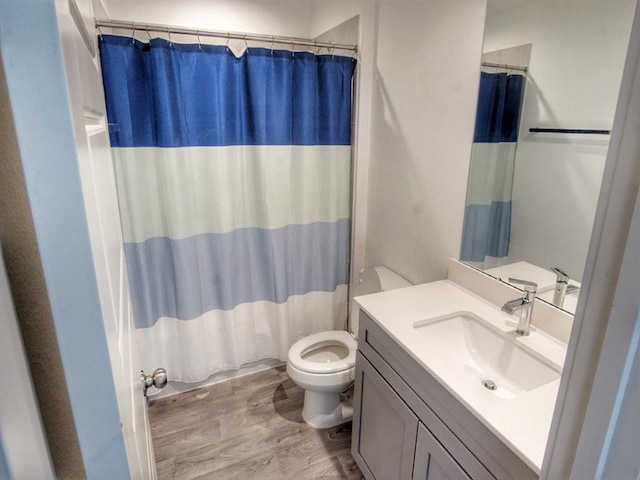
point(522, 422)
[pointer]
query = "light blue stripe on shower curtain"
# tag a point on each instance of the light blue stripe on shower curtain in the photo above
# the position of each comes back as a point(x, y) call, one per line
point(489, 239)
point(185, 278)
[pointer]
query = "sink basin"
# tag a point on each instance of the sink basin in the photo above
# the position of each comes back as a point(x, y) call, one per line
point(491, 358)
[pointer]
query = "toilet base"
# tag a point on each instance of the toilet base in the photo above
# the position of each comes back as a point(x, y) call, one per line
point(326, 410)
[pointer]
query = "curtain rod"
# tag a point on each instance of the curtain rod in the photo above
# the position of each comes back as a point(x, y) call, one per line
point(504, 66)
point(169, 29)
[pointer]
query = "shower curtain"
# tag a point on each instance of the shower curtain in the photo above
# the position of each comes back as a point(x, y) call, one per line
point(233, 179)
point(487, 218)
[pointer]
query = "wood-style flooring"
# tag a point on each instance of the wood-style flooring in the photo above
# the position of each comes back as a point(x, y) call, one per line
point(247, 428)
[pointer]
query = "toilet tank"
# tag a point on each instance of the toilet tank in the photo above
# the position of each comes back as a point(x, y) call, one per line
point(373, 280)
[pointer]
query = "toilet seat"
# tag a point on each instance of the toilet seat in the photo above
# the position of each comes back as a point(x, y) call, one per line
point(317, 341)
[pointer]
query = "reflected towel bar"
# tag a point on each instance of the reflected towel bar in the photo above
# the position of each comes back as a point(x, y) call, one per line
point(569, 130)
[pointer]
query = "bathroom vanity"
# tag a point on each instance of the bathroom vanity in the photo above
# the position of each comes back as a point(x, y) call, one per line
point(421, 410)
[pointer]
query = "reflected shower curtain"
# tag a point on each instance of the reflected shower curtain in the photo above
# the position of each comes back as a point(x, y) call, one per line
point(487, 218)
point(233, 179)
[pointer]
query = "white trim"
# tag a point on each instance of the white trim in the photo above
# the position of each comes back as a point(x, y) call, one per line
point(365, 74)
point(609, 425)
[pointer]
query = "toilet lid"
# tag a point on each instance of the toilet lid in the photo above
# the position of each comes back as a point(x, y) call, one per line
point(324, 352)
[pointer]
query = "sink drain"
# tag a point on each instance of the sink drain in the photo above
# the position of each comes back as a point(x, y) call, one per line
point(489, 384)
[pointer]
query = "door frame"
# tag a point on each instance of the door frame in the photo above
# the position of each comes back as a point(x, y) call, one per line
point(23, 445)
point(36, 83)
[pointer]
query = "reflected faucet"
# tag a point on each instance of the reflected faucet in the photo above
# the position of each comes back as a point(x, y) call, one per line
point(560, 291)
point(562, 287)
point(524, 305)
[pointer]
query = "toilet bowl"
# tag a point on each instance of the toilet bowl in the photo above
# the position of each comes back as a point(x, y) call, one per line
point(323, 364)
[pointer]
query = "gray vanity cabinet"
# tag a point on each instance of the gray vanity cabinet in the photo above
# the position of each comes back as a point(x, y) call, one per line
point(392, 443)
point(432, 461)
point(407, 426)
point(387, 427)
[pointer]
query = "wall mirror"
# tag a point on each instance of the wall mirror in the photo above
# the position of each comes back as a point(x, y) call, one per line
point(548, 91)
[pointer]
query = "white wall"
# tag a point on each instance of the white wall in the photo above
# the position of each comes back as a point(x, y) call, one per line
point(326, 14)
point(271, 17)
point(576, 66)
point(424, 100)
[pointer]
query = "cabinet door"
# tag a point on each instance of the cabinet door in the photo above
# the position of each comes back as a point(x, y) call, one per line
point(433, 462)
point(385, 429)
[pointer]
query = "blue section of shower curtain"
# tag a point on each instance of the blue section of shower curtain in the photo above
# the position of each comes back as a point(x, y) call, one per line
point(165, 95)
point(172, 95)
point(490, 225)
point(252, 264)
point(487, 227)
point(498, 110)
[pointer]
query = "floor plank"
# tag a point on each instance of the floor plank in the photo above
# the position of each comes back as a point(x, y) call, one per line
point(247, 428)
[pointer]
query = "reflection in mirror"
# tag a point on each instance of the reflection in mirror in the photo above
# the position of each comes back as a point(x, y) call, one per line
point(531, 196)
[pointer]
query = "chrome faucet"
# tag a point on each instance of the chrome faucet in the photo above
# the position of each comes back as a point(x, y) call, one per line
point(560, 291)
point(524, 305)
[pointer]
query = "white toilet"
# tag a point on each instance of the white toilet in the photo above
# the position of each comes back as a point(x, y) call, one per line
point(324, 363)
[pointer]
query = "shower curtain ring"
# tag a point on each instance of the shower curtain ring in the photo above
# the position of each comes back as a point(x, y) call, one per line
point(199, 42)
point(273, 41)
point(228, 38)
point(333, 46)
point(147, 30)
point(293, 48)
point(99, 28)
point(169, 35)
point(133, 33)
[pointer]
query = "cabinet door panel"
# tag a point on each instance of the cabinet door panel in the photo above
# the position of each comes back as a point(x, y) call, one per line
point(385, 434)
point(433, 462)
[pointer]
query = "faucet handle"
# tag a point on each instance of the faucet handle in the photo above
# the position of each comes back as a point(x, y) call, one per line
point(529, 287)
point(562, 277)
